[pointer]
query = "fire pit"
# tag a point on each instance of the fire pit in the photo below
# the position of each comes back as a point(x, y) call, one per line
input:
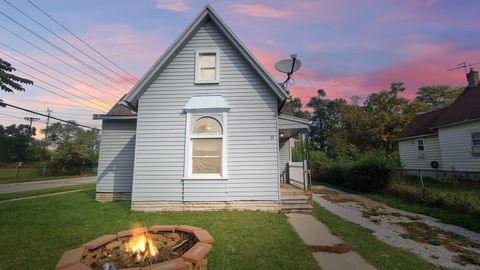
point(158, 247)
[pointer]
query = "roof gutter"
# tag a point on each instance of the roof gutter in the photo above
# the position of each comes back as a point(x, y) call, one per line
point(415, 137)
point(456, 123)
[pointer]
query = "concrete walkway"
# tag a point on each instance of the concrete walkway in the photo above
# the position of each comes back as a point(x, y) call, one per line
point(330, 251)
point(44, 195)
point(36, 185)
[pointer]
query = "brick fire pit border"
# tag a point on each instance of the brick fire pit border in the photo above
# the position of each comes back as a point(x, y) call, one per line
point(194, 258)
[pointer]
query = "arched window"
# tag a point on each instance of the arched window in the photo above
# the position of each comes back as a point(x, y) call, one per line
point(206, 147)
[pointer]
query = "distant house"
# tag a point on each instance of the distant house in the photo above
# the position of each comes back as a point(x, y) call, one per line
point(446, 142)
point(202, 130)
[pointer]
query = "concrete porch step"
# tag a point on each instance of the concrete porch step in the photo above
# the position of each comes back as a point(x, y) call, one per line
point(296, 208)
point(295, 197)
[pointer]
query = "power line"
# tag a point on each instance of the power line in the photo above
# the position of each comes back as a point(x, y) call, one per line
point(71, 107)
point(2, 104)
point(81, 40)
point(58, 88)
point(6, 114)
point(61, 38)
point(59, 59)
point(60, 95)
point(56, 70)
point(68, 85)
point(63, 51)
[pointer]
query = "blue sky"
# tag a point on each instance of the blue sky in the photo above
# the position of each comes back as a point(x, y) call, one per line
point(347, 47)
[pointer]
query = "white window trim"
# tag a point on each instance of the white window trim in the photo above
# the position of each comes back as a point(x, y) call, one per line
point(474, 146)
point(215, 51)
point(421, 153)
point(187, 173)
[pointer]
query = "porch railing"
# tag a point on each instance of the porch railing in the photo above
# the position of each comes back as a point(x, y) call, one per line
point(298, 175)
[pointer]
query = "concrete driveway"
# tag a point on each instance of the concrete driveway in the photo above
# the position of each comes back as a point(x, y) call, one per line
point(35, 185)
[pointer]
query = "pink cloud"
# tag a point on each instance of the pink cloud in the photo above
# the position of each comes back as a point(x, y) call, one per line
point(259, 10)
point(174, 5)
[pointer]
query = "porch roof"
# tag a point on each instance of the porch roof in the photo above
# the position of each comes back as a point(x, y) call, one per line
point(291, 122)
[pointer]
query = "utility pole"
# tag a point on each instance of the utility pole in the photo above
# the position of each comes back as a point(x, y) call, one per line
point(48, 123)
point(31, 119)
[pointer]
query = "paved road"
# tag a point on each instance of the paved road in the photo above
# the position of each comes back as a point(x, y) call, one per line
point(35, 185)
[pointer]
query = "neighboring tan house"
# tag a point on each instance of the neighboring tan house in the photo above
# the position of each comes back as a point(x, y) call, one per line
point(202, 130)
point(445, 143)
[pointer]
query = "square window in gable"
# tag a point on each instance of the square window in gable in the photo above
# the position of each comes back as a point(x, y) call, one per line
point(207, 66)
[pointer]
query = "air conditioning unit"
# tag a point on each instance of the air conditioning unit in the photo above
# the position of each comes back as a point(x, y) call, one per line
point(476, 150)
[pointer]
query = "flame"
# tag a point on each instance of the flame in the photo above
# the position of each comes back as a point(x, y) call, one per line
point(141, 246)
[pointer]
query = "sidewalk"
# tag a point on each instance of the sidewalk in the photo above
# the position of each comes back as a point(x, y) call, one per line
point(36, 185)
point(330, 251)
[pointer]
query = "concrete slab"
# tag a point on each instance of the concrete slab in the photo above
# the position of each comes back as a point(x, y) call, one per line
point(312, 231)
point(349, 260)
point(36, 185)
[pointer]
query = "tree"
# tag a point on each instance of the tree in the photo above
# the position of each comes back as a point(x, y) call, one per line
point(437, 96)
point(297, 108)
point(75, 148)
point(8, 81)
point(14, 142)
point(325, 118)
point(389, 114)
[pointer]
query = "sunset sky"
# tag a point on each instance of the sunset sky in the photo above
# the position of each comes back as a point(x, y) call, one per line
point(346, 47)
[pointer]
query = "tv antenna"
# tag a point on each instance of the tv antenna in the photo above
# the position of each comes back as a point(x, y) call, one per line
point(288, 66)
point(464, 65)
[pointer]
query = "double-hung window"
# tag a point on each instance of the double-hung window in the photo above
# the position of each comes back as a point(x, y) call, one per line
point(207, 66)
point(476, 144)
point(421, 149)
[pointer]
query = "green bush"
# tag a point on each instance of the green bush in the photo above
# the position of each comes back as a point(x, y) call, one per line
point(370, 172)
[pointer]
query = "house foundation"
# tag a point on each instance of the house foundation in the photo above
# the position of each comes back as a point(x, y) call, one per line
point(267, 206)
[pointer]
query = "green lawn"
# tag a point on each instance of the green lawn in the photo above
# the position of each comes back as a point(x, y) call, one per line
point(22, 194)
point(380, 254)
point(7, 175)
point(34, 233)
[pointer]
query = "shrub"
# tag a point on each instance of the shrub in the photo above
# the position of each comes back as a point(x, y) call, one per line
point(372, 172)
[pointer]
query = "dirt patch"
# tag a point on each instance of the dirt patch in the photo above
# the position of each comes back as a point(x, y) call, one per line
point(424, 233)
point(338, 248)
point(335, 197)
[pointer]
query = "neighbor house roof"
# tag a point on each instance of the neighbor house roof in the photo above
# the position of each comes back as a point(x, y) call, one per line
point(206, 14)
point(421, 125)
point(465, 108)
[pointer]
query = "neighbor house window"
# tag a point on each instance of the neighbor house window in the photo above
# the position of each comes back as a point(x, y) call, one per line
point(421, 149)
point(206, 146)
point(207, 66)
point(476, 144)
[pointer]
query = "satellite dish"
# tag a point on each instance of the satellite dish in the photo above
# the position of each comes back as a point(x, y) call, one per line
point(288, 65)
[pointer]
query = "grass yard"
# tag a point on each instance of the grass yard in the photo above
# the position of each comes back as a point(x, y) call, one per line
point(7, 175)
point(22, 194)
point(380, 254)
point(34, 233)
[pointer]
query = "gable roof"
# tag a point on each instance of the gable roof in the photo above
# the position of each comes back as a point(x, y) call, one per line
point(421, 125)
point(465, 108)
point(207, 13)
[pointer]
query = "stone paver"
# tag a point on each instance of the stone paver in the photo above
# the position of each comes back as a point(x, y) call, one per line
point(36, 185)
point(315, 233)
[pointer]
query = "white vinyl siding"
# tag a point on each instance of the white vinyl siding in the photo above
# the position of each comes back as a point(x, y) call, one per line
point(456, 142)
point(117, 153)
point(284, 154)
point(415, 159)
point(252, 129)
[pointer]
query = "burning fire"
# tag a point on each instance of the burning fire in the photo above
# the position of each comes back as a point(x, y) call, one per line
point(141, 246)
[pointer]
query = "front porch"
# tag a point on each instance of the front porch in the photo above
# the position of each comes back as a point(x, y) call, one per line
point(294, 199)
